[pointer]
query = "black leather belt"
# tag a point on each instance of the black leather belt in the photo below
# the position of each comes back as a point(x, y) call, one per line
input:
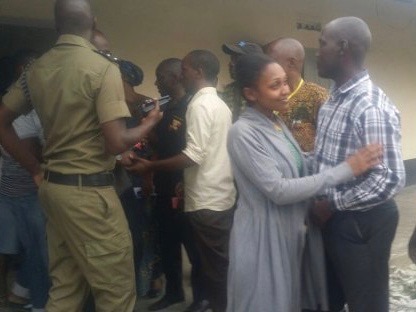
point(96, 179)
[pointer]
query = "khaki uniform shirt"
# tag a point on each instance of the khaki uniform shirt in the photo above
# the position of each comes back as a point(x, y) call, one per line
point(74, 90)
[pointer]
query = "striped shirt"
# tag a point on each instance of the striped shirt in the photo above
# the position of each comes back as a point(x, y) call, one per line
point(357, 114)
point(15, 180)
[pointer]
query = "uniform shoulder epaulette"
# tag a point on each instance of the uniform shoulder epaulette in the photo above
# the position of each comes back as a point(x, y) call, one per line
point(107, 55)
point(23, 80)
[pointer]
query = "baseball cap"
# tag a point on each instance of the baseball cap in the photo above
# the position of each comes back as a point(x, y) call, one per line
point(242, 47)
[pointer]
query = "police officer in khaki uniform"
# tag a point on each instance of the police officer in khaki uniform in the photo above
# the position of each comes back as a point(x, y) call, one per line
point(78, 95)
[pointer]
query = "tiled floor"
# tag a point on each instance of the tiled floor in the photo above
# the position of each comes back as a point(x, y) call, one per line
point(407, 204)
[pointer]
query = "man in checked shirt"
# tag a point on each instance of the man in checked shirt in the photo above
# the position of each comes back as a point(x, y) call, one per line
point(359, 218)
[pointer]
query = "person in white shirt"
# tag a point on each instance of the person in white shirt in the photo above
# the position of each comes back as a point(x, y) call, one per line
point(208, 181)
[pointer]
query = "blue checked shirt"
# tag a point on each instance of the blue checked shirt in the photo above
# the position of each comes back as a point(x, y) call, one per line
point(357, 114)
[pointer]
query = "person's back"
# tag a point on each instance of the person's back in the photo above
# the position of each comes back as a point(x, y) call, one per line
point(209, 185)
point(79, 98)
point(64, 87)
point(209, 188)
point(75, 91)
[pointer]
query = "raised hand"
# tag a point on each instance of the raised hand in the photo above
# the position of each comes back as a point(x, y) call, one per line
point(154, 116)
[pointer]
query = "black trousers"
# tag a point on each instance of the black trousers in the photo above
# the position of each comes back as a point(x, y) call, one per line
point(170, 238)
point(358, 248)
point(207, 242)
point(132, 207)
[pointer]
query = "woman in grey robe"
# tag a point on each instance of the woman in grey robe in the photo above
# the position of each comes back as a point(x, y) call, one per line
point(268, 235)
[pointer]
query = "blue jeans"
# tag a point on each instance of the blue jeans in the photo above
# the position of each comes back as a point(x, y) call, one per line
point(25, 233)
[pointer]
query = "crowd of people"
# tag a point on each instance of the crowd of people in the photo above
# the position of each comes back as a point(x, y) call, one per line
point(281, 192)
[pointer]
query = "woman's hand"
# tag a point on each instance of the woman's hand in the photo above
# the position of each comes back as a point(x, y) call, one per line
point(365, 158)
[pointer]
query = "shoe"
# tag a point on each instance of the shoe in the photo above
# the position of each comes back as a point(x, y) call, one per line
point(201, 306)
point(164, 302)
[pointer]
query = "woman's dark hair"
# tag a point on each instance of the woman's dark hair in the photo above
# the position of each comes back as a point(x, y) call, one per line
point(248, 69)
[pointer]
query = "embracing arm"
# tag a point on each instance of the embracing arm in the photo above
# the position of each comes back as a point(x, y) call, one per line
point(248, 154)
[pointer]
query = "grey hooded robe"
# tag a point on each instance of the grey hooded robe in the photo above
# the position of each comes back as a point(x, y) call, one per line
point(267, 241)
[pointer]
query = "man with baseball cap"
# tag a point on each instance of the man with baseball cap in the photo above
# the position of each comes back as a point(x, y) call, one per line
point(231, 95)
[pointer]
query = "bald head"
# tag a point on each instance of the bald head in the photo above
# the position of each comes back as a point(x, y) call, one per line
point(284, 48)
point(74, 17)
point(290, 54)
point(353, 34)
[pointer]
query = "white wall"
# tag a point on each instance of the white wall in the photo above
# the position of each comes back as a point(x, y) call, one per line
point(147, 31)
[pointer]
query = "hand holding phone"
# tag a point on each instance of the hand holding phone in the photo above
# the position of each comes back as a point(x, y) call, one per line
point(150, 104)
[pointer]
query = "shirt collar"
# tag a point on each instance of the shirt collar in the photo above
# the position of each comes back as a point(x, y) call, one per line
point(68, 39)
point(206, 90)
point(352, 83)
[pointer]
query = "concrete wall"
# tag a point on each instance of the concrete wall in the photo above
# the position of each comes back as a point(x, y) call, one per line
point(147, 31)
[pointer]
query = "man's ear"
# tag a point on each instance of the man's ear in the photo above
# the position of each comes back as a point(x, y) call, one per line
point(200, 72)
point(343, 46)
point(292, 62)
point(250, 94)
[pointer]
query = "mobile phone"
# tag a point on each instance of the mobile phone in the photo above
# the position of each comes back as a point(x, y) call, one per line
point(148, 105)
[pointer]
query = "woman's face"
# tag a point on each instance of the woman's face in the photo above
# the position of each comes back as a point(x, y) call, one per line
point(271, 90)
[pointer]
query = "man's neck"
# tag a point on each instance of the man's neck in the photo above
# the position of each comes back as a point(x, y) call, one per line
point(204, 84)
point(346, 74)
point(293, 82)
point(177, 95)
point(86, 35)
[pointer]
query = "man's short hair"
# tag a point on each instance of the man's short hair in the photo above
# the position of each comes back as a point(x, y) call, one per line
point(207, 61)
point(172, 65)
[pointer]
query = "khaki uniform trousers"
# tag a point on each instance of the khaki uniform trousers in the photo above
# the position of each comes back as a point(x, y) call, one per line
point(90, 247)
